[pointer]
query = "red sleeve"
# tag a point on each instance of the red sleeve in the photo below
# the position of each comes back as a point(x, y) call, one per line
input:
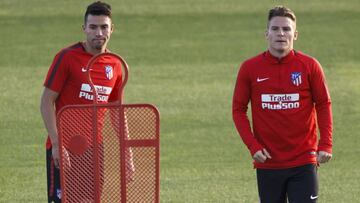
point(241, 99)
point(321, 98)
point(114, 96)
point(57, 74)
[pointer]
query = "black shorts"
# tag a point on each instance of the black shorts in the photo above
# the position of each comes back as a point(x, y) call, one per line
point(53, 179)
point(297, 185)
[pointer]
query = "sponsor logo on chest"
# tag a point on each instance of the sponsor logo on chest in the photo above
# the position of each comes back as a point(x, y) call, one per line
point(280, 101)
point(103, 92)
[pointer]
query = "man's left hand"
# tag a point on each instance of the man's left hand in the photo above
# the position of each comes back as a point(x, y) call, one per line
point(323, 157)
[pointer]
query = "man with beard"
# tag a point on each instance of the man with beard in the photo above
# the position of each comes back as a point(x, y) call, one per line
point(67, 83)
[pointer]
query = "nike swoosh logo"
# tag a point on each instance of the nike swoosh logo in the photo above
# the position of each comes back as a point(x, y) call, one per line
point(83, 69)
point(261, 79)
point(314, 197)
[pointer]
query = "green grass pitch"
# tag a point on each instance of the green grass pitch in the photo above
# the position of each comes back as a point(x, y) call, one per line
point(184, 56)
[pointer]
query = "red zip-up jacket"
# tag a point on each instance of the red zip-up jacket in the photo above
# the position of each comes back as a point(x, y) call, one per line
point(287, 96)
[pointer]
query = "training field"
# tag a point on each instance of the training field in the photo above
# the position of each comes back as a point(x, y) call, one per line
point(184, 56)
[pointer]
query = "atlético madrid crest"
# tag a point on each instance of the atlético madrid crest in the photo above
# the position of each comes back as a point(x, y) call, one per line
point(296, 78)
point(109, 72)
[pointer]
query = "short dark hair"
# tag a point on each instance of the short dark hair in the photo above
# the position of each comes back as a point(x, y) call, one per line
point(98, 8)
point(281, 11)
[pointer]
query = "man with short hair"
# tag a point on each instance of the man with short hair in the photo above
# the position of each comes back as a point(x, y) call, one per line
point(288, 95)
point(67, 77)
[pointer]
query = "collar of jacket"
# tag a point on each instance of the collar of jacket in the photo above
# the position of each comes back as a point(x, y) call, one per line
point(274, 60)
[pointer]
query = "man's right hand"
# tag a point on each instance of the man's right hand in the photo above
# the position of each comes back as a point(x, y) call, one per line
point(48, 114)
point(261, 156)
point(55, 155)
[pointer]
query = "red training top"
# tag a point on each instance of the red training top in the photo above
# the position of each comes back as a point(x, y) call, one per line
point(284, 96)
point(68, 76)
